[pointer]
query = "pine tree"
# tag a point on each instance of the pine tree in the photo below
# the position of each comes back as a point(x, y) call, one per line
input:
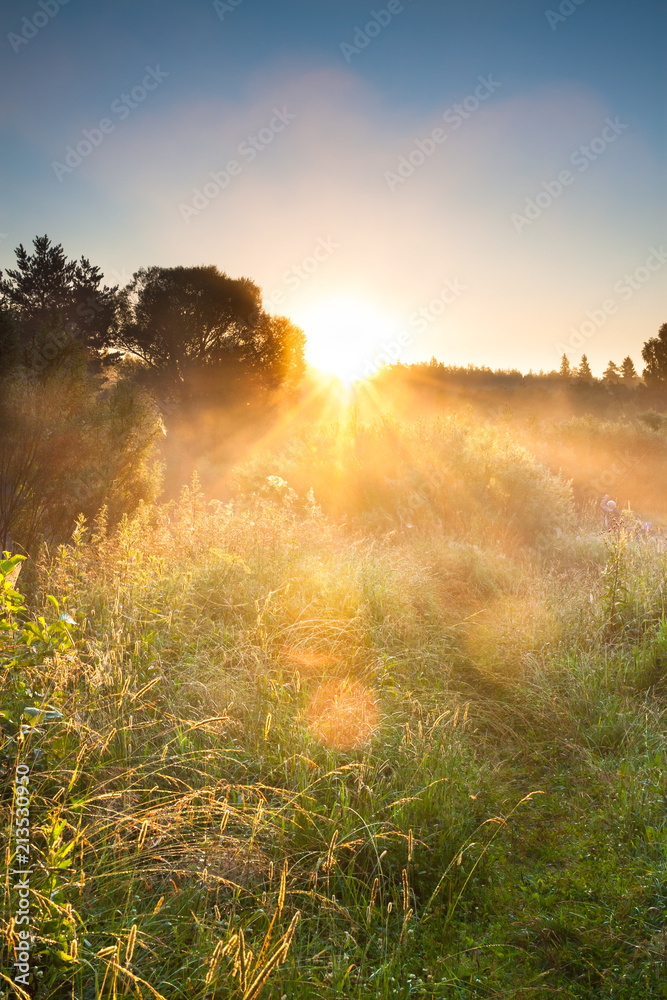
point(565, 370)
point(628, 370)
point(584, 370)
point(612, 374)
point(47, 288)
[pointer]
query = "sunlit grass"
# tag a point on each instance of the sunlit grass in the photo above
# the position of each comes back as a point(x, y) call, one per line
point(302, 731)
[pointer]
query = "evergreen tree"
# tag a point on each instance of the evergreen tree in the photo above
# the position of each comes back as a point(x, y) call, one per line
point(612, 374)
point(47, 288)
point(628, 370)
point(584, 370)
point(565, 370)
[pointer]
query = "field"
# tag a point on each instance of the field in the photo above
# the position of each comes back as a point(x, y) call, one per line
point(388, 720)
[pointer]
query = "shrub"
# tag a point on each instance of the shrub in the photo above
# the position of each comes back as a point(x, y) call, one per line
point(72, 443)
point(471, 479)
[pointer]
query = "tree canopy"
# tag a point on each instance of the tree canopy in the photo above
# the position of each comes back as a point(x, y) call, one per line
point(46, 288)
point(189, 324)
point(654, 354)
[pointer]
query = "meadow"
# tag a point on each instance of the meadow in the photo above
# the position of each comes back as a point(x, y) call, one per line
point(385, 721)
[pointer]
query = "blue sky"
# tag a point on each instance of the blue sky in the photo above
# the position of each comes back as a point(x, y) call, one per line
point(322, 216)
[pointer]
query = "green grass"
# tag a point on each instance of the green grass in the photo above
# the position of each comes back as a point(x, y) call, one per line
point(388, 749)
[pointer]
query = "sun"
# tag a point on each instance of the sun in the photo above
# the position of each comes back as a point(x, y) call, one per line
point(345, 337)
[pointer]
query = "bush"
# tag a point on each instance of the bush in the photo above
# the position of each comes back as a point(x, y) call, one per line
point(473, 480)
point(72, 443)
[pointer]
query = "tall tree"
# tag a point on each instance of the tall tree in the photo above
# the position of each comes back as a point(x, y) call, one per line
point(565, 370)
point(584, 370)
point(654, 354)
point(611, 374)
point(628, 370)
point(46, 288)
point(192, 324)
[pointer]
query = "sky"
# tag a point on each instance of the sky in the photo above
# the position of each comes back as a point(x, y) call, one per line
point(478, 180)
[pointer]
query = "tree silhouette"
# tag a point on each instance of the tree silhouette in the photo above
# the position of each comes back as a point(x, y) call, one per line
point(628, 370)
point(193, 325)
point(654, 354)
point(612, 374)
point(46, 289)
point(565, 370)
point(584, 370)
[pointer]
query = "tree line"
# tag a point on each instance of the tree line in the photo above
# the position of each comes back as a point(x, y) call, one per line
point(623, 374)
point(182, 327)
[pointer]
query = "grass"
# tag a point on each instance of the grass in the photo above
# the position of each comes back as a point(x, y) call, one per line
point(395, 730)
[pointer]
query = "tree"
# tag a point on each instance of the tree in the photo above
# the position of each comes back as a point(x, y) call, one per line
point(192, 325)
point(47, 288)
point(584, 372)
point(611, 374)
point(654, 353)
point(628, 370)
point(565, 370)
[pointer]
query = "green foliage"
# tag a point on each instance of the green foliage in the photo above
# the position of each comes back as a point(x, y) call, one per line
point(25, 642)
point(46, 289)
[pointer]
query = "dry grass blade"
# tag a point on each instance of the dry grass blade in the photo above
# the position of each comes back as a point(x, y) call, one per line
point(278, 957)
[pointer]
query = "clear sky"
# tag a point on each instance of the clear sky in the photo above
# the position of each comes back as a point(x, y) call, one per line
point(475, 179)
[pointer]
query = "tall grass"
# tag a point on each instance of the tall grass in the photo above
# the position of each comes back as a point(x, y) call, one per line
point(293, 743)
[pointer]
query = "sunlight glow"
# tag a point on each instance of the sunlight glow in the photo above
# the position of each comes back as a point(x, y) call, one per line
point(342, 714)
point(345, 337)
